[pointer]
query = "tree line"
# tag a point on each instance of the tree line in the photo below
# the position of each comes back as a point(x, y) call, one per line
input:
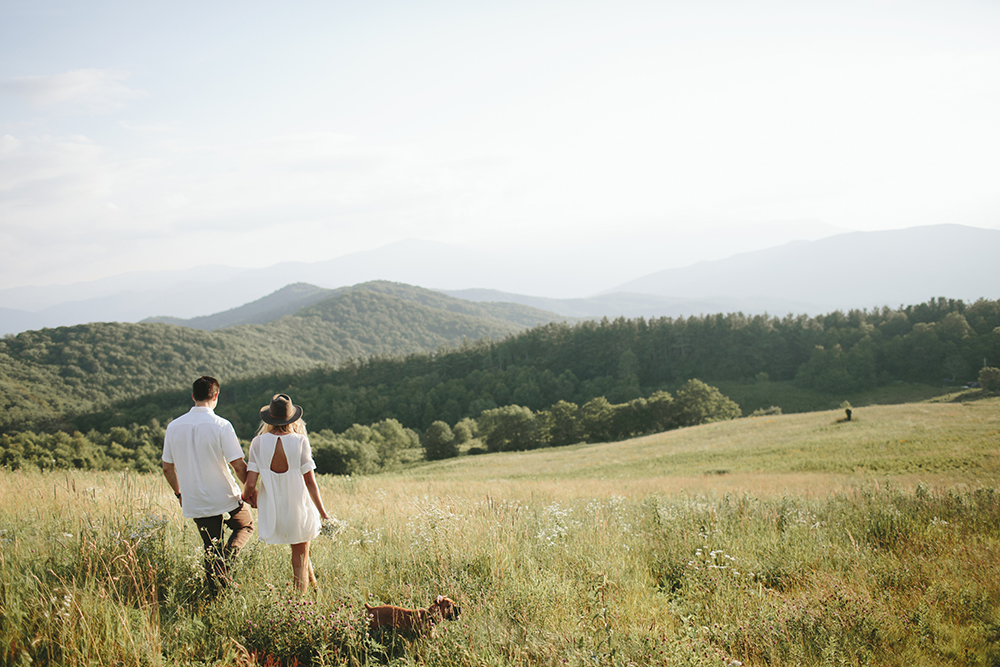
point(940, 341)
point(621, 360)
point(379, 446)
point(383, 445)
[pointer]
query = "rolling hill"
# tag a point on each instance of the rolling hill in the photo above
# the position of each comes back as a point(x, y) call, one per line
point(48, 374)
point(795, 363)
point(938, 441)
point(291, 299)
point(274, 306)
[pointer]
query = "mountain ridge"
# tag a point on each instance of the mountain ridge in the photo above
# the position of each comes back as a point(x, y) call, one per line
point(297, 297)
point(895, 267)
point(809, 277)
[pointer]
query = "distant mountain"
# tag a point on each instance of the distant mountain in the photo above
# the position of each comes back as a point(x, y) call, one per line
point(574, 268)
point(631, 305)
point(130, 298)
point(50, 373)
point(810, 276)
point(292, 299)
point(856, 270)
point(285, 301)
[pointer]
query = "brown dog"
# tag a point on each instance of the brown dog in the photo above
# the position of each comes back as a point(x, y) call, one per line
point(412, 621)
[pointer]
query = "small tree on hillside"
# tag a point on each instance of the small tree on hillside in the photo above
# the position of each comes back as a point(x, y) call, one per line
point(510, 428)
point(560, 424)
point(464, 431)
point(989, 378)
point(439, 442)
point(339, 455)
point(698, 403)
point(389, 439)
point(660, 409)
point(595, 419)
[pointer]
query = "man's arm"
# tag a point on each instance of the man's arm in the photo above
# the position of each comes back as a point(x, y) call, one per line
point(240, 468)
point(171, 474)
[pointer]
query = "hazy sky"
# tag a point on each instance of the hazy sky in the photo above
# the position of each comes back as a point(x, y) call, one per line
point(140, 135)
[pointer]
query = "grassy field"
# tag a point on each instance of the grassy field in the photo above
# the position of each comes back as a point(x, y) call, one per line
point(780, 540)
point(792, 398)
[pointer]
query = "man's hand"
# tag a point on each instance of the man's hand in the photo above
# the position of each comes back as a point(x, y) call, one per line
point(171, 474)
point(250, 489)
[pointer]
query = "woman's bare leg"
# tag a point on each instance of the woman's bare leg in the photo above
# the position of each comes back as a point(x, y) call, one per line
point(302, 570)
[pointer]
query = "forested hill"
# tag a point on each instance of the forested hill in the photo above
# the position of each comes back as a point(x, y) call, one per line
point(286, 301)
point(47, 375)
point(621, 360)
point(292, 299)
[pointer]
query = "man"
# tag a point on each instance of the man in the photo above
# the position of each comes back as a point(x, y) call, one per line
point(198, 450)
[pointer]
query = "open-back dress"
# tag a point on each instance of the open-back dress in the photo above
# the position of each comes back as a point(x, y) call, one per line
point(286, 513)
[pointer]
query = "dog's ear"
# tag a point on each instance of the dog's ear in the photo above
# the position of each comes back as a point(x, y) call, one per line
point(439, 599)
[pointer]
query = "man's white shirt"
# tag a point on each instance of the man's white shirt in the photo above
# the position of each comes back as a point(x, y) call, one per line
point(201, 444)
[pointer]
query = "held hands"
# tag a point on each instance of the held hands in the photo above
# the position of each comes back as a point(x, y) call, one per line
point(250, 496)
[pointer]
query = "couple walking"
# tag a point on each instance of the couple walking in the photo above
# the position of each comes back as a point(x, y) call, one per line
point(199, 450)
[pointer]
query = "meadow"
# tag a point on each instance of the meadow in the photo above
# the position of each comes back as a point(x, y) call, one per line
point(796, 539)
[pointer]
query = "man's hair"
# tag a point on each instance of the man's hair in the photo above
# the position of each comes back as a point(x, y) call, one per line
point(205, 388)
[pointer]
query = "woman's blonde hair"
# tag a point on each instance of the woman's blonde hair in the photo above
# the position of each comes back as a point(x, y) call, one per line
point(297, 426)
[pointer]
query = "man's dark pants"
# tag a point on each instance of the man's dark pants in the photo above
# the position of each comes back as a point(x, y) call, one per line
point(217, 556)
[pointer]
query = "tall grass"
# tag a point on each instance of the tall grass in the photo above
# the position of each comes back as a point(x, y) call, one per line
point(551, 564)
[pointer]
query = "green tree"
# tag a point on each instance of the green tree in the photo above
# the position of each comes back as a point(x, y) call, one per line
point(596, 417)
point(989, 378)
point(510, 428)
point(660, 410)
point(439, 442)
point(698, 403)
point(560, 424)
point(464, 431)
point(390, 441)
point(338, 455)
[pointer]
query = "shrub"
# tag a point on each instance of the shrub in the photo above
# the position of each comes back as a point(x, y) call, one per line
point(989, 378)
point(699, 403)
point(509, 428)
point(439, 442)
point(464, 431)
point(339, 455)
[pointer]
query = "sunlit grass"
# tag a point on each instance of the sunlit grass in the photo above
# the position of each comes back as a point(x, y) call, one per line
point(945, 443)
point(792, 398)
point(780, 540)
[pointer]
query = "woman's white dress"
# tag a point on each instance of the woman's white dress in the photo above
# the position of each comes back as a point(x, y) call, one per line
point(286, 513)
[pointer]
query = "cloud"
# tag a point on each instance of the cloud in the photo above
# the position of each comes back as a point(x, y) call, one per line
point(93, 91)
point(38, 175)
point(69, 203)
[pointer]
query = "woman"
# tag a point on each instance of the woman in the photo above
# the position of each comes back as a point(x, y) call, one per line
point(289, 507)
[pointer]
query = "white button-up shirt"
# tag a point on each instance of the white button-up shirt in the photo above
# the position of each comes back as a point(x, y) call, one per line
point(201, 444)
